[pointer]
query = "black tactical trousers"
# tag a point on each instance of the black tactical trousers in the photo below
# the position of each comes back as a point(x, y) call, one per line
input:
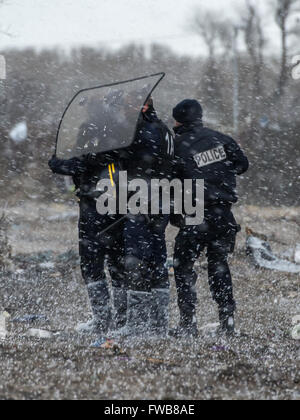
point(190, 244)
point(96, 248)
point(146, 253)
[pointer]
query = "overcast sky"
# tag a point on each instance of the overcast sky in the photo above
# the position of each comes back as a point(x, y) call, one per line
point(112, 23)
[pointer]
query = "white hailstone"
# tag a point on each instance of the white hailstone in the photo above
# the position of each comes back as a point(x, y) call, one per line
point(19, 133)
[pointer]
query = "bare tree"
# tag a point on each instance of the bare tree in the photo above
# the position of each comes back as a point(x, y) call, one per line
point(217, 36)
point(206, 27)
point(2, 90)
point(215, 32)
point(284, 9)
point(255, 42)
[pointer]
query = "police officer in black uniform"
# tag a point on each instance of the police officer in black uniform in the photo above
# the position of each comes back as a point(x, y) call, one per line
point(202, 153)
point(94, 246)
point(151, 157)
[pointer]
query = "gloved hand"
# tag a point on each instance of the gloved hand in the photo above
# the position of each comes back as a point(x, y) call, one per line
point(53, 163)
point(70, 167)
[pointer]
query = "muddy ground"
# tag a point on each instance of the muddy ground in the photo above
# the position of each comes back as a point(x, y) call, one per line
point(261, 362)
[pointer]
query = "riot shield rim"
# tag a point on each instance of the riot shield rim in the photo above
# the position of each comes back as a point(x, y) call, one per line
point(162, 74)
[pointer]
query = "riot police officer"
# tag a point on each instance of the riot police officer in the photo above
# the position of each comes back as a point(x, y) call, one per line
point(94, 246)
point(202, 153)
point(150, 157)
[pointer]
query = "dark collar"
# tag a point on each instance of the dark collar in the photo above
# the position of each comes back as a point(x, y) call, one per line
point(187, 127)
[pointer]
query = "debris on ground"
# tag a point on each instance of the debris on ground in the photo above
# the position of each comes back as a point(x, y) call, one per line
point(47, 260)
point(296, 320)
point(41, 334)
point(262, 255)
point(47, 265)
point(30, 319)
point(107, 344)
point(64, 216)
point(103, 343)
point(210, 327)
point(296, 332)
point(4, 316)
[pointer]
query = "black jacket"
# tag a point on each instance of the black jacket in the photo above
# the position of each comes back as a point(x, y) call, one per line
point(201, 153)
point(152, 152)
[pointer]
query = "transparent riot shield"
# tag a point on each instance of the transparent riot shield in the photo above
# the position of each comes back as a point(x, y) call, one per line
point(103, 118)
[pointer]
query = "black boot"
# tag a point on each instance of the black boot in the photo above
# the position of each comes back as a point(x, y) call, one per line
point(120, 308)
point(159, 318)
point(227, 324)
point(138, 313)
point(187, 328)
point(100, 305)
point(138, 297)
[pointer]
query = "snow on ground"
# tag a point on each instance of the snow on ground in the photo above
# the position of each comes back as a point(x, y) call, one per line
point(262, 362)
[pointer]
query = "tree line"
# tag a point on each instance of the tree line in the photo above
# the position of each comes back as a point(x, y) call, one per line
point(249, 81)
